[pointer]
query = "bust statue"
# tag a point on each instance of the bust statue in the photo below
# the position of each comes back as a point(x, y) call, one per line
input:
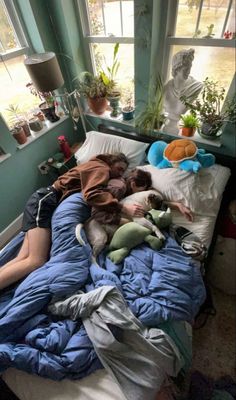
point(182, 84)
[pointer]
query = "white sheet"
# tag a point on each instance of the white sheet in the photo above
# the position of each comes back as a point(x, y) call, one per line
point(97, 386)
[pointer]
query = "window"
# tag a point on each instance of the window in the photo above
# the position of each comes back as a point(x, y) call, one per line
point(208, 26)
point(13, 74)
point(104, 23)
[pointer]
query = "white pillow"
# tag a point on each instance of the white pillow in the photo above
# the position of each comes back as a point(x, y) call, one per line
point(202, 192)
point(100, 143)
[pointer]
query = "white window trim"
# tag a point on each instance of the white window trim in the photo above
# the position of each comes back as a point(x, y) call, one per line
point(23, 45)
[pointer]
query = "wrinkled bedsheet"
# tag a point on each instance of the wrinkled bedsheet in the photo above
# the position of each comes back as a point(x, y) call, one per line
point(158, 287)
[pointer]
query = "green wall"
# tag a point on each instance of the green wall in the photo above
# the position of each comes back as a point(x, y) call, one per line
point(49, 26)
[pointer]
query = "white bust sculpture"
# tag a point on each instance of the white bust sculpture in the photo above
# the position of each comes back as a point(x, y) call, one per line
point(181, 85)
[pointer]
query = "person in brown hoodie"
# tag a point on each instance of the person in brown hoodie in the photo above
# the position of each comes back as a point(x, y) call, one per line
point(91, 179)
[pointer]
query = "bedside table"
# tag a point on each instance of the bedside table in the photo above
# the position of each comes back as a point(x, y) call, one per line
point(60, 167)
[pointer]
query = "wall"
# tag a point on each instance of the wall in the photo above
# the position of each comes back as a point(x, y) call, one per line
point(50, 26)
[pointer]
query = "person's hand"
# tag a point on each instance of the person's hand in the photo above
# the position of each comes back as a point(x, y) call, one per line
point(185, 211)
point(133, 210)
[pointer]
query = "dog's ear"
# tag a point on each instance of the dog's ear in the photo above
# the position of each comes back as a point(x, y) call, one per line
point(155, 201)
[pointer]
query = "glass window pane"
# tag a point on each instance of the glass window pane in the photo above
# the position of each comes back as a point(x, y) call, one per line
point(96, 17)
point(105, 17)
point(186, 19)
point(112, 18)
point(213, 13)
point(128, 18)
point(8, 38)
point(13, 80)
point(103, 54)
point(208, 63)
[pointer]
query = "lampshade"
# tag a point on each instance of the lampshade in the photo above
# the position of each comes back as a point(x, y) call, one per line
point(44, 71)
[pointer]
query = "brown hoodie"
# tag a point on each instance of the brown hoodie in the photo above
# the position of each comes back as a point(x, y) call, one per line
point(91, 179)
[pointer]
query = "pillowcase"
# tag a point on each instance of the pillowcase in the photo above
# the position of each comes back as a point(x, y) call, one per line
point(100, 143)
point(201, 192)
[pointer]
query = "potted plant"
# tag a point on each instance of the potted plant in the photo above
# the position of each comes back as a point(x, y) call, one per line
point(18, 126)
point(48, 105)
point(128, 109)
point(108, 77)
point(95, 90)
point(153, 117)
point(210, 111)
point(188, 124)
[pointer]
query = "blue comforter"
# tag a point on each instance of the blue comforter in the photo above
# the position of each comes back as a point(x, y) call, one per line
point(158, 286)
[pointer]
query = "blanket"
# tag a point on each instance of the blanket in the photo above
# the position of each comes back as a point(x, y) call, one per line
point(157, 286)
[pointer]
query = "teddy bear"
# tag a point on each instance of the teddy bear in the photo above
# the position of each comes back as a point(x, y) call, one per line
point(180, 153)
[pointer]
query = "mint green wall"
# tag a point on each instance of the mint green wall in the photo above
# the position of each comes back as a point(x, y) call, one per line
point(49, 26)
point(19, 175)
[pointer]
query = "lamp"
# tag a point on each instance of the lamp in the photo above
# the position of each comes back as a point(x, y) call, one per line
point(46, 75)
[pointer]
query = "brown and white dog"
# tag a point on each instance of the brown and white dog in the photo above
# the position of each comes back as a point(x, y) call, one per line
point(98, 235)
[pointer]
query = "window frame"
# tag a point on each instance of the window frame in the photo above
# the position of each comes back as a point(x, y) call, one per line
point(90, 39)
point(15, 21)
point(171, 39)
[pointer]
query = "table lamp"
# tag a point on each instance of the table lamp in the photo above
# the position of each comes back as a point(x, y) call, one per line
point(45, 72)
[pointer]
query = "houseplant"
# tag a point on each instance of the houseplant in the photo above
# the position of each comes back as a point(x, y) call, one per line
point(18, 126)
point(153, 117)
point(188, 124)
point(48, 104)
point(128, 109)
point(95, 90)
point(210, 111)
point(108, 77)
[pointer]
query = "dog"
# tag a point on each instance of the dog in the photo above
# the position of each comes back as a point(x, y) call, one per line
point(98, 235)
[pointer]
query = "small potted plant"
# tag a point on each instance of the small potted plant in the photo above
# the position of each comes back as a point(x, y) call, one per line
point(18, 126)
point(210, 110)
point(48, 105)
point(153, 117)
point(128, 109)
point(188, 124)
point(108, 77)
point(95, 90)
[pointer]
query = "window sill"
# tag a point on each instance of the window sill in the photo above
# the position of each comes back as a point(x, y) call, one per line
point(196, 138)
point(4, 157)
point(36, 135)
point(162, 135)
point(106, 116)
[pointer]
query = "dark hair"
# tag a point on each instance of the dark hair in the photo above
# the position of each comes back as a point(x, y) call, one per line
point(140, 177)
point(111, 159)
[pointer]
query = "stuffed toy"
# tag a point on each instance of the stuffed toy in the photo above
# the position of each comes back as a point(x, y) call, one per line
point(180, 153)
point(132, 234)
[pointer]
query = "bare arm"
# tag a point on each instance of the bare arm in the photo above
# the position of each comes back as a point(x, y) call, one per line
point(181, 208)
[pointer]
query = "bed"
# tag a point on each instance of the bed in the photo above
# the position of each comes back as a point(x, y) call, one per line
point(32, 362)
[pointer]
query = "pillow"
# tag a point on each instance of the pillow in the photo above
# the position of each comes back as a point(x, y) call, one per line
point(201, 192)
point(100, 143)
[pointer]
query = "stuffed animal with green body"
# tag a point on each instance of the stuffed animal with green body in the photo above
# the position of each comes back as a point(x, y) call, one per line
point(132, 234)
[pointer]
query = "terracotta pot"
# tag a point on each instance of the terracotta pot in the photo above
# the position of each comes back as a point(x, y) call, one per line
point(187, 131)
point(26, 128)
point(19, 135)
point(98, 105)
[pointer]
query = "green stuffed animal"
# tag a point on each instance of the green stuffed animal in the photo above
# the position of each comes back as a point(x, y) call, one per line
point(132, 234)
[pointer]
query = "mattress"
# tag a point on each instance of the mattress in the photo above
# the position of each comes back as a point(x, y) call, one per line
point(99, 386)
